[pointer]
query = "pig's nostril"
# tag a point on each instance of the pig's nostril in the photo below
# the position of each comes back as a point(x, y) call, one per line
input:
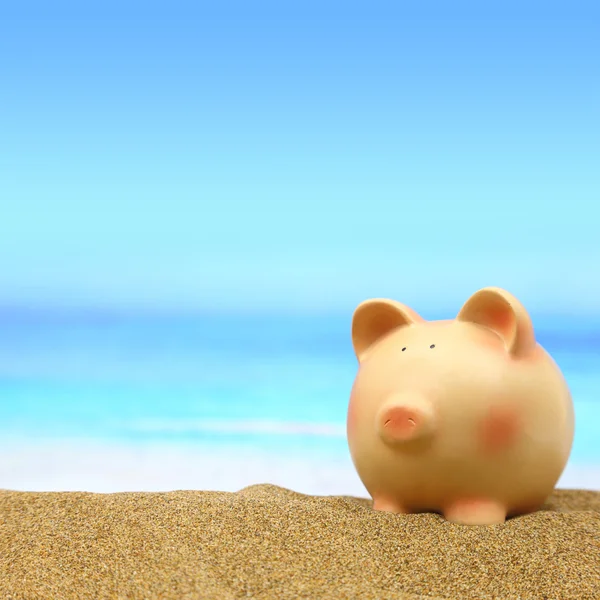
point(403, 423)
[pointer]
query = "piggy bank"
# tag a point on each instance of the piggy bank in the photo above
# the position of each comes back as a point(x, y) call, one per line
point(470, 417)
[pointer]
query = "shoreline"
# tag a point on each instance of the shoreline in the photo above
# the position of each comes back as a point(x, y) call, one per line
point(82, 465)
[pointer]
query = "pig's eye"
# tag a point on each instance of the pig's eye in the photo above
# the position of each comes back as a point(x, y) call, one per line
point(432, 346)
point(403, 349)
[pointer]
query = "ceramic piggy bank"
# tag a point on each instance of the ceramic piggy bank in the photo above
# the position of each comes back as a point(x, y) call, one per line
point(470, 418)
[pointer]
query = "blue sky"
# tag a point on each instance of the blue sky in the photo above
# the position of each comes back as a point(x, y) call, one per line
point(303, 155)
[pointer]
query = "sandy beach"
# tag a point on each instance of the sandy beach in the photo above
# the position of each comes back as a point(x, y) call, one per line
point(269, 542)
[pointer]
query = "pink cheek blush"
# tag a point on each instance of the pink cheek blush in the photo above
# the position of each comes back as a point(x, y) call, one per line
point(352, 416)
point(498, 430)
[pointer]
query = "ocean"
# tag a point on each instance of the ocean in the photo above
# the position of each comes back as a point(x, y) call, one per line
point(111, 402)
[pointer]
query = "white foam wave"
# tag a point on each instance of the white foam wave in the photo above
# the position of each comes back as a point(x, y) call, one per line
point(112, 467)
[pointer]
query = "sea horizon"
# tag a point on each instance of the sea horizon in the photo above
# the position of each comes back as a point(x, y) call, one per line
point(207, 400)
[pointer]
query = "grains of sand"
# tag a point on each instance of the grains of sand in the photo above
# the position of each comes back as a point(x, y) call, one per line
point(268, 542)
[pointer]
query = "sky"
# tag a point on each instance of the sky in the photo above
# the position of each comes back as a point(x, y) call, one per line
point(299, 155)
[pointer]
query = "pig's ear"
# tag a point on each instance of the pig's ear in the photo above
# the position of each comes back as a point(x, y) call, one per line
point(501, 312)
point(375, 318)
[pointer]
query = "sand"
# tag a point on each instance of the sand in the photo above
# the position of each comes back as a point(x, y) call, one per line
point(269, 542)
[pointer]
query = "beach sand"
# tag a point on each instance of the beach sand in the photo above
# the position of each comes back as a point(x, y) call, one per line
point(269, 542)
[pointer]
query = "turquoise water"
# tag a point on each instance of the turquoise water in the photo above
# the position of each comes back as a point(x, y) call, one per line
point(274, 382)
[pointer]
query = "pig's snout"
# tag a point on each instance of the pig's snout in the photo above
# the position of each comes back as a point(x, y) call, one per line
point(405, 418)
